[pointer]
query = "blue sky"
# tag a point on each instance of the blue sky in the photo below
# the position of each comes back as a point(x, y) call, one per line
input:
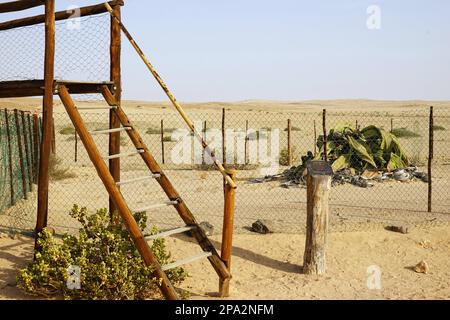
point(234, 50)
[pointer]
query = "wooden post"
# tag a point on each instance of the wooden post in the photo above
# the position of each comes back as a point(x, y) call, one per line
point(315, 138)
point(36, 147)
point(163, 158)
point(318, 189)
point(11, 172)
point(49, 75)
point(227, 234)
point(430, 161)
point(325, 136)
point(246, 161)
point(27, 150)
point(21, 157)
point(289, 142)
point(116, 77)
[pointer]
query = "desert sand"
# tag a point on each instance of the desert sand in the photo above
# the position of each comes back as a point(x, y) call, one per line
point(269, 267)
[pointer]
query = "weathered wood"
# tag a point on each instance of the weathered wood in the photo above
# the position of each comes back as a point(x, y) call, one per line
point(169, 189)
point(20, 5)
point(44, 158)
point(227, 234)
point(289, 142)
point(163, 158)
point(318, 191)
point(119, 201)
point(61, 15)
point(27, 151)
point(114, 122)
point(430, 161)
point(21, 156)
point(11, 172)
point(34, 88)
point(171, 97)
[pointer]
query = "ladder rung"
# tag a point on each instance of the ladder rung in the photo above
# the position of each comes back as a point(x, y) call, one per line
point(156, 206)
point(123, 155)
point(109, 131)
point(186, 261)
point(97, 108)
point(153, 176)
point(169, 233)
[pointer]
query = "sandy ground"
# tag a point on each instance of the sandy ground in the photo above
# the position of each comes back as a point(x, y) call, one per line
point(269, 267)
point(354, 209)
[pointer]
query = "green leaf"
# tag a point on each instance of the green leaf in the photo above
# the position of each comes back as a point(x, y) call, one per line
point(342, 162)
point(396, 162)
point(362, 151)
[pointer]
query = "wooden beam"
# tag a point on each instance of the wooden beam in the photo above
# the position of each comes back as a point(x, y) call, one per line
point(61, 15)
point(114, 121)
point(20, 5)
point(34, 88)
point(227, 233)
point(49, 77)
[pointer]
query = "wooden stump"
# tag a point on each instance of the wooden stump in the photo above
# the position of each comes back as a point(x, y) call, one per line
point(318, 191)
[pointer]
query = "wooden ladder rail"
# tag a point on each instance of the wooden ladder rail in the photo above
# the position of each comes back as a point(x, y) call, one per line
point(148, 256)
point(184, 212)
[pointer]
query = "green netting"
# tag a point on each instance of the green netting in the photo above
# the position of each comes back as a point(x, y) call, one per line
point(15, 184)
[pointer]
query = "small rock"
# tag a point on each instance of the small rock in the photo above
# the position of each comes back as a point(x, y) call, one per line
point(399, 229)
point(207, 227)
point(422, 267)
point(263, 227)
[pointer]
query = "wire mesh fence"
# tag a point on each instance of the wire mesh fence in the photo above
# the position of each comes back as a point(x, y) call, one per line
point(20, 134)
point(262, 145)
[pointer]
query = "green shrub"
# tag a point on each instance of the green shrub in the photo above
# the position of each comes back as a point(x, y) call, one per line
point(111, 267)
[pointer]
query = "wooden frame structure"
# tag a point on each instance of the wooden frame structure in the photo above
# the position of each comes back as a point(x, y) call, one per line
point(110, 176)
point(48, 87)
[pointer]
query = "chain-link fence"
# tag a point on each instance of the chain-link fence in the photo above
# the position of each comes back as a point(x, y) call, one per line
point(257, 144)
point(19, 153)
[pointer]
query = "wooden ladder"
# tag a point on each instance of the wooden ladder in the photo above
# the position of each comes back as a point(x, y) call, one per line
point(118, 199)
